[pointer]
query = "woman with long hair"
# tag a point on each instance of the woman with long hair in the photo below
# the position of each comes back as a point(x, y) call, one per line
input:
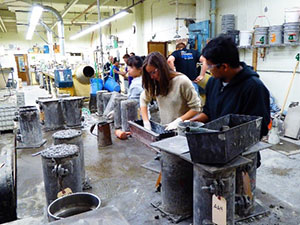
point(176, 97)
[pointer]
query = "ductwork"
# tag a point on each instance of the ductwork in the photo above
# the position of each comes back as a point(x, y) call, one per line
point(60, 27)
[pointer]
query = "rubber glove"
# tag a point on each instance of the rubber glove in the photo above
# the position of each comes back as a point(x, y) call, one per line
point(147, 124)
point(110, 115)
point(173, 125)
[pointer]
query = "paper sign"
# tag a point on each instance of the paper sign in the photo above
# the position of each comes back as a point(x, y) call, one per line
point(218, 210)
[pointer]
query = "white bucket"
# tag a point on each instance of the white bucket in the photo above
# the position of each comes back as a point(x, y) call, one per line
point(292, 15)
point(245, 38)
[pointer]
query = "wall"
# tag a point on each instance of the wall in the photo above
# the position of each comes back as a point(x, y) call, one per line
point(276, 59)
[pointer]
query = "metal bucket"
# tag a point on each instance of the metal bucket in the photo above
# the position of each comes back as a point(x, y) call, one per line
point(30, 128)
point(291, 33)
point(129, 112)
point(72, 136)
point(261, 36)
point(73, 204)
point(52, 113)
point(99, 102)
point(61, 170)
point(117, 111)
point(275, 35)
point(104, 135)
point(72, 111)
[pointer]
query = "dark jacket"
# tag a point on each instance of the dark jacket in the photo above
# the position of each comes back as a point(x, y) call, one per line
point(245, 94)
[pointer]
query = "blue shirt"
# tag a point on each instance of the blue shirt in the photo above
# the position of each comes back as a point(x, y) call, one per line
point(113, 74)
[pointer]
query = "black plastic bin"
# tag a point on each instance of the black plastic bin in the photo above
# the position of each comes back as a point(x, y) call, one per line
point(224, 139)
point(146, 136)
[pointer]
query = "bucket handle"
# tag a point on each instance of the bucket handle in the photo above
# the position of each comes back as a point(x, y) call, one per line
point(92, 129)
point(263, 16)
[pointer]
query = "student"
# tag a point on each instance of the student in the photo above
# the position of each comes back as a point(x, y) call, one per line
point(135, 68)
point(174, 92)
point(185, 61)
point(114, 71)
point(234, 86)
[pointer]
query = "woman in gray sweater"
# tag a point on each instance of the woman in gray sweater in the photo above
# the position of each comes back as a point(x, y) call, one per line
point(176, 97)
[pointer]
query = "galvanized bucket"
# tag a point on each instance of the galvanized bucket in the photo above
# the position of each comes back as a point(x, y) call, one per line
point(72, 204)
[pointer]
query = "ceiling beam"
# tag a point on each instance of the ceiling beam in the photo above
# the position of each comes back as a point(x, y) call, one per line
point(85, 11)
point(3, 27)
point(67, 9)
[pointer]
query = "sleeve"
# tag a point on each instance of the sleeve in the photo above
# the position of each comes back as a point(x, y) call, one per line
point(206, 107)
point(189, 93)
point(257, 103)
point(145, 99)
point(134, 93)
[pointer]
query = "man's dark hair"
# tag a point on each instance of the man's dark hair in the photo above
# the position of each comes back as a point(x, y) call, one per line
point(135, 61)
point(222, 50)
point(126, 56)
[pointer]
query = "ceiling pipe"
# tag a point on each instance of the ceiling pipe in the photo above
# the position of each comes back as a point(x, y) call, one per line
point(67, 9)
point(49, 36)
point(60, 28)
point(177, 21)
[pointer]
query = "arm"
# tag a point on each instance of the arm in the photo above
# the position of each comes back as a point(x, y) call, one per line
point(171, 61)
point(202, 117)
point(203, 69)
point(144, 101)
point(120, 72)
point(188, 115)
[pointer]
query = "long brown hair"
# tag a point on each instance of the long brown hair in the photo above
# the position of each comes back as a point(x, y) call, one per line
point(155, 87)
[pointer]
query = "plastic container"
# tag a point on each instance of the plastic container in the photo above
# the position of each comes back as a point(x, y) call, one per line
point(245, 38)
point(235, 35)
point(223, 139)
point(291, 32)
point(111, 85)
point(292, 15)
point(261, 36)
point(96, 85)
point(275, 35)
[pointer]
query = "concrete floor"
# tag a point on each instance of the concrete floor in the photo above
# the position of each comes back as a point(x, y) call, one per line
point(119, 180)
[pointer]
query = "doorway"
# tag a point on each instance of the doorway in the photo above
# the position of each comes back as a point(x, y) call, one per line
point(22, 67)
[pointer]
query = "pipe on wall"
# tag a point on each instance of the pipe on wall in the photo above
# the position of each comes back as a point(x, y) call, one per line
point(213, 17)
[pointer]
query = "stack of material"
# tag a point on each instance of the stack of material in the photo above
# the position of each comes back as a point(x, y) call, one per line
point(7, 115)
point(228, 23)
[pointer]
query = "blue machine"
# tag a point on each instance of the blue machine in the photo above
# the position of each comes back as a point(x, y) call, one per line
point(63, 78)
point(198, 34)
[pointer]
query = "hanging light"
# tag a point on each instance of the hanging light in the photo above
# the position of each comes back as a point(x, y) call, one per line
point(101, 24)
point(34, 19)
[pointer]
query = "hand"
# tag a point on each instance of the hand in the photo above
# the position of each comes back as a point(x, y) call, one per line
point(173, 125)
point(147, 124)
point(115, 71)
point(199, 78)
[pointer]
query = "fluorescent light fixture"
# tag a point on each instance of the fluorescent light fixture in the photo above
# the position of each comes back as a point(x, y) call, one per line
point(34, 19)
point(101, 24)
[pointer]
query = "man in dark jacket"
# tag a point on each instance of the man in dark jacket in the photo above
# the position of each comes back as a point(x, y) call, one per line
point(234, 87)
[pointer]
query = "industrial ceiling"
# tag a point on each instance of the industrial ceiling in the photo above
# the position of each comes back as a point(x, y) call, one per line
point(14, 15)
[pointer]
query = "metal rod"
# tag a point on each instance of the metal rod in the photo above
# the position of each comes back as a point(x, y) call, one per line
point(276, 71)
point(67, 9)
point(100, 39)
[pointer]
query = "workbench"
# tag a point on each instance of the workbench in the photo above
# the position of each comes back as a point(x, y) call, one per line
point(200, 181)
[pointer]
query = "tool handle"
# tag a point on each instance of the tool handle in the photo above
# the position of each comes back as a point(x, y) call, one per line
point(289, 88)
